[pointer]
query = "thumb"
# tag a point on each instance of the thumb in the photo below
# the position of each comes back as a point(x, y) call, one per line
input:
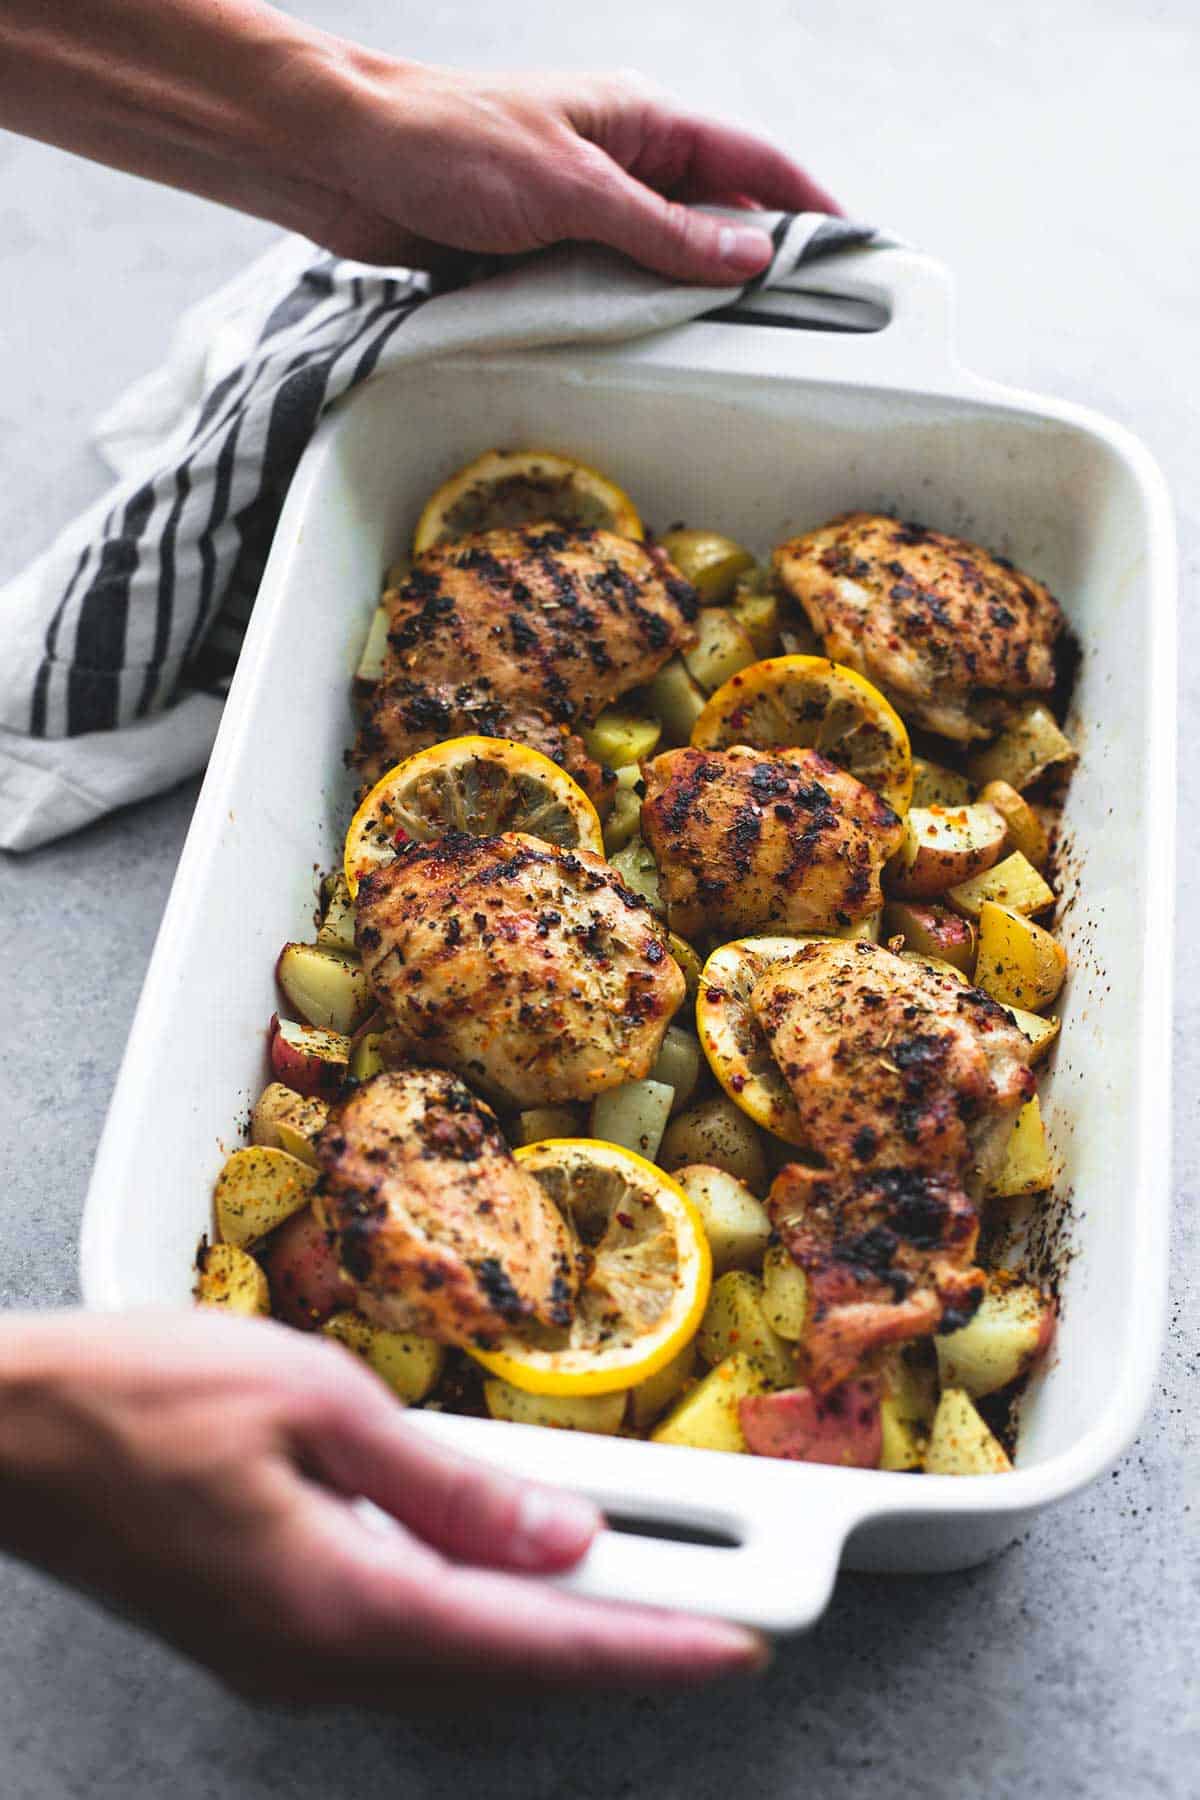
point(660, 234)
point(463, 1508)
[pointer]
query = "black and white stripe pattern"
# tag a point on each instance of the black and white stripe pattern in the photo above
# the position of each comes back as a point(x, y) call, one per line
point(145, 600)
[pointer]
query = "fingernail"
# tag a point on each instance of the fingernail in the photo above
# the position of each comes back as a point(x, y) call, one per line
point(744, 250)
point(552, 1527)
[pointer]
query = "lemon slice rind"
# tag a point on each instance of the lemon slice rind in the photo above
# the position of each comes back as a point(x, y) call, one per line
point(733, 1042)
point(523, 487)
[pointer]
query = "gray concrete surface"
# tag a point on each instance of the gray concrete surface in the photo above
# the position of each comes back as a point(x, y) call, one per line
point(1049, 154)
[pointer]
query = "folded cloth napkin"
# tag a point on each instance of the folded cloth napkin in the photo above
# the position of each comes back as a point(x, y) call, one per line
point(120, 639)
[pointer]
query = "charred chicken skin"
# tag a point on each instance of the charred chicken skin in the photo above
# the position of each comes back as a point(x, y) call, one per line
point(952, 634)
point(892, 1065)
point(439, 1228)
point(889, 1255)
point(747, 840)
point(521, 632)
point(907, 1083)
point(529, 970)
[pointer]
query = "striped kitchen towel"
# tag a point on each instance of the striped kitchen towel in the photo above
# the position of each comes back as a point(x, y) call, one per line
point(119, 641)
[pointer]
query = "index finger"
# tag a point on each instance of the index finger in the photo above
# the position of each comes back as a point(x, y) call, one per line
point(719, 160)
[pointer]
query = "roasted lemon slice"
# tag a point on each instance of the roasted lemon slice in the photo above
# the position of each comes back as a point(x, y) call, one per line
point(479, 785)
point(808, 702)
point(523, 487)
point(648, 1273)
point(732, 1039)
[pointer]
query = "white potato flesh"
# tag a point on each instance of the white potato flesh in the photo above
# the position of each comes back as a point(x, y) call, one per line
point(337, 926)
point(724, 648)
point(410, 1365)
point(231, 1279)
point(541, 1122)
point(960, 1442)
point(707, 1417)
point(600, 1413)
point(785, 1294)
point(718, 1132)
point(326, 990)
point(1010, 1332)
point(652, 1396)
point(735, 1322)
point(735, 1223)
point(638, 870)
point(1027, 1166)
point(1019, 962)
point(944, 846)
point(1014, 883)
point(678, 1065)
point(257, 1190)
point(285, 1120)
point(633, 1115)
point(676, 700)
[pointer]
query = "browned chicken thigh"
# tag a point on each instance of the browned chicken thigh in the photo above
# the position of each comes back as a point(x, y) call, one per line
point(889, 1255)
point(749, 839)
point(891, 1064)
point(521, 632)
point(907, 1083)
point(950, 633)
point(530, 970)
point(442, 1232)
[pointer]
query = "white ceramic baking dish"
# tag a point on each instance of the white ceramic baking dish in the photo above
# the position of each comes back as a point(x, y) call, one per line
point(761, 431)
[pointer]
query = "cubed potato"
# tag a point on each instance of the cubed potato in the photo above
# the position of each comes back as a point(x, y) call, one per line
point(410, 1365)
point(689, 963)
point(633, 1115)
point(906, 1410)
point(707, 1417)
point(541, 1122)
point(868, 930)
point(600, 1413)
point(326, 990)
point(942, 847)
point(936, 964)
point(620, 737)
point(624, 820)
point(1026, 1166)
point(735, 1223)
point(784, 1294)
point(257, 1190)
point(337, 925)
point(374, 655)
point(1019, 963)
point(934, 785)
point(653, 1396)
point(734, 1322)
point(231, 1279)
point(1014, 883)
point(960, 1443)
point(1040, 1032)
point(711, 561)
point(1030, 746)
point(307, 1058)
point(724, 648)
point(676, 700)
point(841, 1427)
point(932, 931)
point(678, 1065)
point(718, 1132)
point(366, 1051)
point(1012, 1330)
point(638, 870)
point(758, 615)
point(901, 1444)
point(285, 1120)
point(305, 1280)
point(1026, 832)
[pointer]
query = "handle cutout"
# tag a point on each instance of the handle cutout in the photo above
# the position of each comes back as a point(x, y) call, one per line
point(709, 1538)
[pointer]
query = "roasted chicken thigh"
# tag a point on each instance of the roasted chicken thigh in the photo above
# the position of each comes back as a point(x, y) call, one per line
point(747, 840)
point(441, 1231)
point(949, 632)
point(531, 971)
point(521, 632)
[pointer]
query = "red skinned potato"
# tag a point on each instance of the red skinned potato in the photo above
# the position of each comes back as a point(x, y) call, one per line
point(841, 1427)
point(932, 931)
point(301, 1267)
point(325, 989)
point(307, 1059)
point(943, 846)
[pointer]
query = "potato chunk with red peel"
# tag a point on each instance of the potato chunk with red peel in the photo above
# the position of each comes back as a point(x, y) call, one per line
point(932, 931)
point(301, 1266)
point(307, 1058)
point(840, 1427)
point(1012, 1331)
point(942, 847)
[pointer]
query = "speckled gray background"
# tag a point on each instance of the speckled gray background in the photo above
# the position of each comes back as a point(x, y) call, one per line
point(1050, 155)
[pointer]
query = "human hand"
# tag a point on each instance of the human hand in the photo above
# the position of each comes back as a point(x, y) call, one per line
point(418, 160)
point(196, 1472)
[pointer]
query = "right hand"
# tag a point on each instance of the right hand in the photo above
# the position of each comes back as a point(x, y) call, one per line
point(196, 1471)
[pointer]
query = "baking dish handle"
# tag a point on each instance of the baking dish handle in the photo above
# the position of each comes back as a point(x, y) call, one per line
point(898, 316)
